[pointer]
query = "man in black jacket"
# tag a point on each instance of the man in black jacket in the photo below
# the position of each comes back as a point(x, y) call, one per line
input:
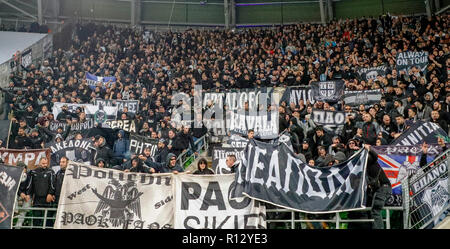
point(21, 140)
point(102, 150)
point(41, 189)
point(59, 178)
point(175, 143)
point(162, 152)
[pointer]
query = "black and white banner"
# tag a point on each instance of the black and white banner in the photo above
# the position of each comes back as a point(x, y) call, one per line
point(219, 158)
point(295, 94)
point(75, 150)
point(409, 59)
point(264, 124)
point(274, 174)
point(95, 112)
point(235, 100)
point(54, 125)
point(139, 143)
point(203, 202)
point(9, 184)
point(27, 58)
point(365, 97)
point(430, 195)
point(332, 118)
point(236, 141)
point(328, 91)
point(132, 105)
point(372, 73)
point(420, 132)
point(99, 198)
point(128, 125)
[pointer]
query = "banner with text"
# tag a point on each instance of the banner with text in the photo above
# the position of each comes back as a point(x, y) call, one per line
point(328, 91)
point(203, 202)
point(31, 158)
point(219, 158)
point(409, 59)
point(139, 143)
point(295, 94)
point(372, 73)
point(264, 124)
point(236, 99)
point(9, 184)
point(332, 118)
point(420, 132)
point(365, 97)
point(128, 125)
point(132, 105)
point(98, 198)
point(80, 151)
point(274, 174)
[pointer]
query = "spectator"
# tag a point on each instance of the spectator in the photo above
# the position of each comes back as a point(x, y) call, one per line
point(41, 189)
point(202, 168)
point(170, 166)
point(121, 148)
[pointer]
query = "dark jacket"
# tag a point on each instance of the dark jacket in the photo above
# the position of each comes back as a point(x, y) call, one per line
point(59, 178)
point(165, 167)
point(369, 133)
point(376, 175)
point(121, 146)
point(41, 183)
point(103, 151)
point(161, 154)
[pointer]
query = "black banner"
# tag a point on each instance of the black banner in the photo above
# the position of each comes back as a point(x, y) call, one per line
point(420, 132)
point(236, 141)
point(333, 118)
point(5, 126)
point(328, 91)
point(139, 143)
point(409, 59)
point(126, 125)
point(294, 94)
point(372, 73)
point(274, 174)
point(264, 124)
point(9, 183)
point(365, 97)
point(133, 105)
point(75, 150)
point(219, 157)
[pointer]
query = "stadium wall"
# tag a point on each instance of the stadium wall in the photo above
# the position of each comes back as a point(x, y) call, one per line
point(248, 12)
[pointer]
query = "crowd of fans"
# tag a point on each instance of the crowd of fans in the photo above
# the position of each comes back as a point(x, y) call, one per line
point(152, 66)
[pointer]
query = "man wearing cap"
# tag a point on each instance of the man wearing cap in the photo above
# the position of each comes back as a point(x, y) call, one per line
point(306, 150)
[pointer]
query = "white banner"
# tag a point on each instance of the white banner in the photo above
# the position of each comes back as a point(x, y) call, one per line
point(202, 202)
point(98, 198)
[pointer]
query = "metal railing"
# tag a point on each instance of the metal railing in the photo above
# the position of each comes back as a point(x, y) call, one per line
point(26, 218)
point(189, 155)
point(426, 194)
point(337, 222)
